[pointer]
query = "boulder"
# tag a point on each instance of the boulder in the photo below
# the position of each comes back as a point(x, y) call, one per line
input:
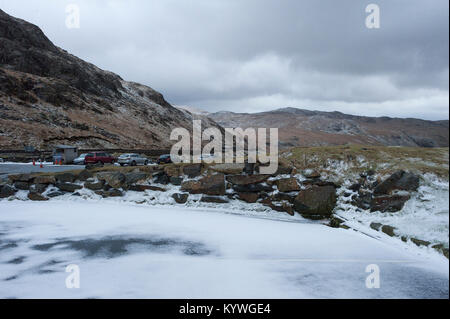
point(213, 199)
point(36, 197)
point(390, 204)
point(161, 178)
point(22, 186)
point(110, 193)
point(228, 168)
point(68, 187)
point(363, 200)
point(246, 179)
point(400, 180)
point(388, 230)
point(281, 207)
point(310, 173)
point(20, 178)
point(114, 179)
point(54, 194)
point(7, 191)
point(135, 177)
point(38, 188)
point(209, 185)
point(316, 201)
point(419, 242)
point(278, 197)
point(180, 198)
point(192, 170)
point(248, 197)
point(287, 185)
point(85, 175)
point(66, 178)
point(94, 186)
point(44, 180)
point(375, 226)
point(176, 180)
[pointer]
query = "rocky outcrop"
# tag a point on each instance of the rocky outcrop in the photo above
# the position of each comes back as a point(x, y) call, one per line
point(7, 191)
point(400, 180)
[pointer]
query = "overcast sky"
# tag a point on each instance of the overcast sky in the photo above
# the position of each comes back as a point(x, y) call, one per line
point(255, 55)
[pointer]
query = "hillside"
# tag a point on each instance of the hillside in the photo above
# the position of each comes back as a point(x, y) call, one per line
point(48, 96)
point(299, 127)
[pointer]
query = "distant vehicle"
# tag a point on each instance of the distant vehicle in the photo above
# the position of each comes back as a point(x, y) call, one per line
point(80, 160)
point(132, 160)
point(164, 159)
point(99, 158)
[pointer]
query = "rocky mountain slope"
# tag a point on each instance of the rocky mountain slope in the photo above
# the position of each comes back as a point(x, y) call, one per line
point(48, 96)
point(299, 127)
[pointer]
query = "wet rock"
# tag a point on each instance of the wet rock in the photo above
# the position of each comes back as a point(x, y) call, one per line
point(7, 191)
point(390, 204)
point(180, 198)
point(22, 186)
point(36, 197)
point(192, 170)
point(209, 185)
point(65, 178)
point(400, 180)
point(94, 186)
point(68, 187)
point(45, 180)
point(248, 197)
point(388, 230)
point(114, 179)
point(287, 185)
point(246, 179)
point(316, 201)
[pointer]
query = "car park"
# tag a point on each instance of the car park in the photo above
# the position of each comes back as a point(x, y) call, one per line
point(99, 158)
point(80, 160)
point(132, 159)
point(164, 159)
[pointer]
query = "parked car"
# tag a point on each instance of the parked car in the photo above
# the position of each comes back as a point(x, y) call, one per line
point(164, 159)
point(80, 160)
point(99, 158)
point(132, 160)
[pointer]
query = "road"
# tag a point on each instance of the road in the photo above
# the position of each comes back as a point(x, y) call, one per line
point(21, 168)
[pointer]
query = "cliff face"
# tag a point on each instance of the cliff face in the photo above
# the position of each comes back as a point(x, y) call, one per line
point(313, 128)
point(48, 96)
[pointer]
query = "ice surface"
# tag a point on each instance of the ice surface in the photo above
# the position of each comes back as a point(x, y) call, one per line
point(139, 251)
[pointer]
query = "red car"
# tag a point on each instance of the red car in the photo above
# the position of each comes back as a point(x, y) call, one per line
point(99, 158)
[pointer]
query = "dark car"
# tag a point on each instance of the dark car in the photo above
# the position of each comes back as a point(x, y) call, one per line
point(164, 159)
point(99, 158)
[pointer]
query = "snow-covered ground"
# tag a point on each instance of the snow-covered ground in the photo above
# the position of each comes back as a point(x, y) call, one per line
point(128, 250)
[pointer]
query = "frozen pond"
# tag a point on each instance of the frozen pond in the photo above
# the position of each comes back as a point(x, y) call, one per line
point(131, 251)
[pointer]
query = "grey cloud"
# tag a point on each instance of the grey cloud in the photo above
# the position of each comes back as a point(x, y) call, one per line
point(257, 55)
